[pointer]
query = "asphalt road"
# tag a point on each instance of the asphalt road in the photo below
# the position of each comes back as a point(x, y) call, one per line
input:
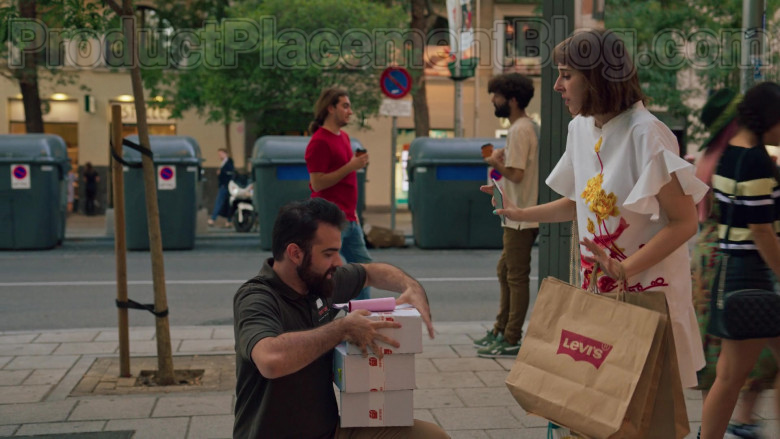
point(74, 286)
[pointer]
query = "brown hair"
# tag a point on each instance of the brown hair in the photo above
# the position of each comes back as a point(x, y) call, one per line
point(601, 56)
point(329, 96)
point(513, 85)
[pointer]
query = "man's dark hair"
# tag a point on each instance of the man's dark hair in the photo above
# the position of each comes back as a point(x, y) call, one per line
point(297, 223)
point(513, 85)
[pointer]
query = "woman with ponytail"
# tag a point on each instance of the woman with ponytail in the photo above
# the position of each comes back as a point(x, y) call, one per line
point(752, 243)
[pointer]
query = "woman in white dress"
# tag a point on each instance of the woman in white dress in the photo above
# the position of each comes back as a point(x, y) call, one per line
point(622, 178)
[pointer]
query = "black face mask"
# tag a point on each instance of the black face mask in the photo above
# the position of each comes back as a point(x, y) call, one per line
point(502, 110)
point(319, 285)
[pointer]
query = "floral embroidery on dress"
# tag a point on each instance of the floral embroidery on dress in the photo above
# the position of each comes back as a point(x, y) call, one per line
point(605, 205)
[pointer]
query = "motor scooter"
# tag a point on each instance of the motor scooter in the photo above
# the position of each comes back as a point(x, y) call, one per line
point(242, 210)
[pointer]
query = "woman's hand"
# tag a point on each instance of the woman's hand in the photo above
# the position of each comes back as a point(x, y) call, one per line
point(612, 267)
point(510, 210)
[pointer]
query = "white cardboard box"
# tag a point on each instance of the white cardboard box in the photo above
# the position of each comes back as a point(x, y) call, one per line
point(354, 373)
point(377, 409)
point(409, 335)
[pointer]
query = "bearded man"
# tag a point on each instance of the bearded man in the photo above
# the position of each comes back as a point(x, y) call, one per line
point(285, 330)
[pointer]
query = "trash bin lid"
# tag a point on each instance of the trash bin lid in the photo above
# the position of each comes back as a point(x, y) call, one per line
point(48, 148)
point(425, 151)
point(276, 150)
point(167, 149)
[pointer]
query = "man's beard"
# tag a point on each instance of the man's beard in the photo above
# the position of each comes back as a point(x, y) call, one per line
point(317, 284)
point(502, 110)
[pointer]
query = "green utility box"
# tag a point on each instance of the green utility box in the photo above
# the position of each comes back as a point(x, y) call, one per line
point(448, 209)
point(33, 191)
point(280, 174)
point(177, 167)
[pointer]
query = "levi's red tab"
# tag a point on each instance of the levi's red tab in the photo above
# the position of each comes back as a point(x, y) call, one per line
point(582, 348)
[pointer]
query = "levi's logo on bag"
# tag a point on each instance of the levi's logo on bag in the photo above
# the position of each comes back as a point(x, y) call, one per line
point(582, 348)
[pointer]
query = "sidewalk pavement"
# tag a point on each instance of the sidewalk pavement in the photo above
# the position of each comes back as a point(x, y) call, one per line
point(43, 375)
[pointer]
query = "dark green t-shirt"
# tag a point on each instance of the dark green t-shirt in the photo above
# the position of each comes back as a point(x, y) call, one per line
point(301, 405)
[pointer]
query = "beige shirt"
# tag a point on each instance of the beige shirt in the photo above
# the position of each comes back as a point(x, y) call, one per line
point(522, 152)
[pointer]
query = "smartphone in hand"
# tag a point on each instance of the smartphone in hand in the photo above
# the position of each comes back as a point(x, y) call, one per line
point(498, 195)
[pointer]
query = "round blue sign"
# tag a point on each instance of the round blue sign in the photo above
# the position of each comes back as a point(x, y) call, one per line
point(495, 175)
point(20, 172)
point(166, 173)
point(395, 82)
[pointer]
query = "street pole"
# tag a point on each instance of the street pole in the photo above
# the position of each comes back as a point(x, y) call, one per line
point(120, 243)
point(393, 160)
point(458, 89)
point(476, 75)
point(752, 42)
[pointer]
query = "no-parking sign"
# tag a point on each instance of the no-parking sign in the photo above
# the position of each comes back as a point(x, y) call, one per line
point(20, 177)
point(395, 82)
point(166, 178)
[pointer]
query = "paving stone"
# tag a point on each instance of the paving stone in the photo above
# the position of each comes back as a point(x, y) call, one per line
point(45, 376)
point(150, 347)
point(465, 350)
point(191, 332)
point(694, 394)
point(162, 428)
point(203, 404)
point(447, 380)
point(437, 351)
point(23, 394)
point(529, 421)
point(18, 338)
point(475, 418)
point(139, 334)
point(42, 362)
point(61, 428)
point(465, 364)
point(422, 365)
point(424, 415)
point(493, 378)
point(446, 339)
point(506, 363)
point(5, 360)
point(223, 332)
point(202, 346)
point(468, 434)
point(486, 397)
point(15, 349)
point(211, 427)
point(125, 407)
point(8, 430)
point(13, 377)
point(95, 347)
point(694, 409)
point(436, 398)
point(67, 337)
point(459, 328)
point(41, 412)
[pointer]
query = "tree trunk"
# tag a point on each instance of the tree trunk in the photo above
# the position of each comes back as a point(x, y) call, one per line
point(28, 78)
point(422, 124)
point(227, 139)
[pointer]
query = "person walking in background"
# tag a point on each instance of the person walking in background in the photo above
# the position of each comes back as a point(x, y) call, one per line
point(226, 172)
point(519, 165)
point(91, 180)
point(752, 243)
point(719, 117)
point(332, 169)
point(622, 179)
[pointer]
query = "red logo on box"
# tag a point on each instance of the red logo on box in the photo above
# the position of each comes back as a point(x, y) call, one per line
point(387, 351)
point(582, 348)
point(373, 414)
point(373, 362)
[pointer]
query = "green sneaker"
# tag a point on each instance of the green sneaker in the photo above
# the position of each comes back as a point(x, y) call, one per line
point(501, 348)
point(488, 340)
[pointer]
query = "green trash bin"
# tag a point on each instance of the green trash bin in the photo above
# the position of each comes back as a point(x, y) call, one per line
point(280, 174)
point(448, 209)
point(33, 191)
point(177, 163)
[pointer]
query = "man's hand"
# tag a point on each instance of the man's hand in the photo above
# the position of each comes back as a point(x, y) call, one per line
point(362, 332)
point(358, 162)
point(415, 296)
point(510, 210)
point(496, 158)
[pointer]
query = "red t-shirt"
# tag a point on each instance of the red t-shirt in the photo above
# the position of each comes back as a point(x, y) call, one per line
point(326, 153)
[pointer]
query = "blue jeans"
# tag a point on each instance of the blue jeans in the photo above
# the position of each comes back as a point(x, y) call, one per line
point(353, 249)
point(220, 206)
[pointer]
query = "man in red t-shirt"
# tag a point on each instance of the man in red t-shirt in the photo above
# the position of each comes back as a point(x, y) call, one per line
point(332, 169)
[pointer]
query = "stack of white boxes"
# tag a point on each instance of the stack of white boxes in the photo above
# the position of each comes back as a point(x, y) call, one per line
point(378, 392)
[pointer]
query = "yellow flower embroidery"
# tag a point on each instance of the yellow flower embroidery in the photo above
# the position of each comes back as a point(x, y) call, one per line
point(605, 205)
point(592, 188)
point(591, 227)
point(598, 146)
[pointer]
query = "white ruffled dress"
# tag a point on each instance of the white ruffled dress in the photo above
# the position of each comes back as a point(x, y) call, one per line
point(614, 173)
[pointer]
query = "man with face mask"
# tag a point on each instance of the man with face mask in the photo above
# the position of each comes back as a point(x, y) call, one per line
point(285, 329)
point(518, 164)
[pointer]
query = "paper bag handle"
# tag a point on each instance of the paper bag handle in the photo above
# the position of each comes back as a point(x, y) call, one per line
point(621, 281)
